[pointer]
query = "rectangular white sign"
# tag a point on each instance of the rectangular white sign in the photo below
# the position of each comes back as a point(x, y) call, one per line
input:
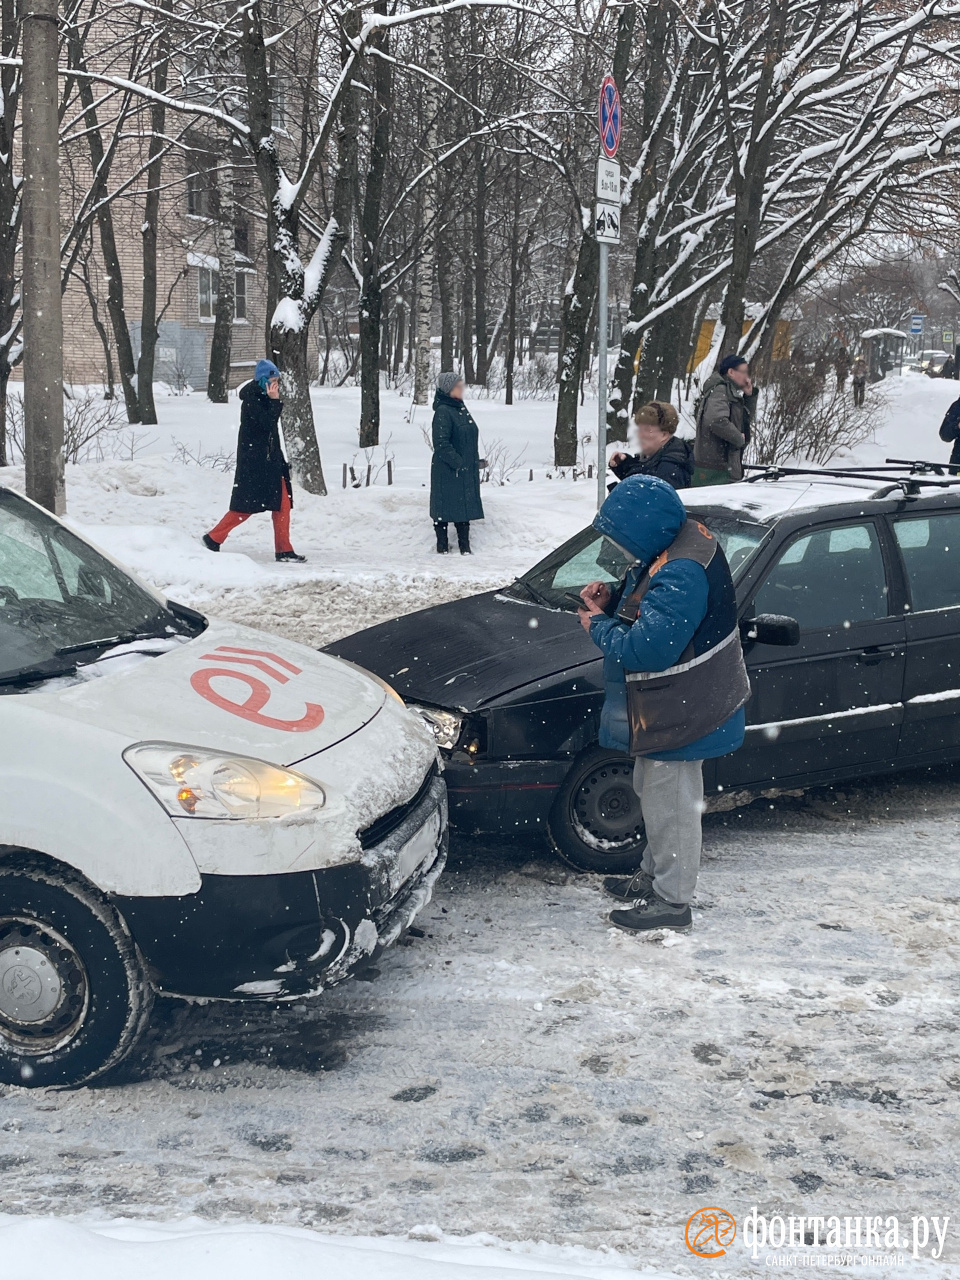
point(606, 223)
point(608, 180)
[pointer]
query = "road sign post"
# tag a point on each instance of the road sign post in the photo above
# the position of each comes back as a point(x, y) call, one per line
point(607, 231)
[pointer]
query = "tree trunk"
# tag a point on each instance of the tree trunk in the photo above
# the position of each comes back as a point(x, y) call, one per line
point(110, 383)
point(108, 241)
point(371, 300)
point(221, 346)
point(149, 329)
point(749, 183)
point(400, 338)
point(42, 306)
point(480, 267)
point(574, 350)
point(466, 322)
point(447, 317)
point(428, 212)
point(511, 355)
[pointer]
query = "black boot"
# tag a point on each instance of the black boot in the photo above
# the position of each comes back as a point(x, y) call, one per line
point(209, 543)
point(291, 556)
point(629, 888)
point(463, 537)
point(443, 540)
point(654, 913)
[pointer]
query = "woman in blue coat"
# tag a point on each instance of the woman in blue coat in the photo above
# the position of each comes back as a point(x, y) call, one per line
point(455, 471)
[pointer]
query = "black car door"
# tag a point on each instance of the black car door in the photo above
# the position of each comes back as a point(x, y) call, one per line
point(833, 702)
point(929, 545)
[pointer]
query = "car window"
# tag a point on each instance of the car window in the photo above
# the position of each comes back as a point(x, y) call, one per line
point(930, 547)
point(56, 591)
point(591, 557)
point(831, 578)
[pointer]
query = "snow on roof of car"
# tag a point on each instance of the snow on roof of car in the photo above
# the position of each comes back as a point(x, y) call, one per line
point(767, 500)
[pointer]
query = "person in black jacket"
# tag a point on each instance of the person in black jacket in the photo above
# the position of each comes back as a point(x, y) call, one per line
point(262, 478)
point(662, 453)
point(455, 470)
point(950, 430)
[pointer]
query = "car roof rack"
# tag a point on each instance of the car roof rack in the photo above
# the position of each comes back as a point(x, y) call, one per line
point(911, 485)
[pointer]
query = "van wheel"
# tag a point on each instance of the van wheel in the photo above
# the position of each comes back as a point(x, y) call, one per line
point(74, 999)
point(596, 823)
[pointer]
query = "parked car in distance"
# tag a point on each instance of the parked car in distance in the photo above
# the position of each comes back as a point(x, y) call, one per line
point(849, 603)
point(930, 362)
point(188, 806)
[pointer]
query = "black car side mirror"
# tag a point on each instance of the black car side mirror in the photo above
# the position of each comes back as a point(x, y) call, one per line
point(770, 628)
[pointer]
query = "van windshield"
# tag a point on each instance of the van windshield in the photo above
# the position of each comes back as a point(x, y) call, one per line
point(59, 597)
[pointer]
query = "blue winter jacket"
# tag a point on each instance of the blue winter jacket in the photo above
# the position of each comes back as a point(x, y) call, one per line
point(643, 515)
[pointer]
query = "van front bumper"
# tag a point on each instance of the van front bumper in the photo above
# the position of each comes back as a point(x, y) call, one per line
point(280, 937)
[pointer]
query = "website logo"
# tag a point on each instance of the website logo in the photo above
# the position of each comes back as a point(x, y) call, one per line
point(710, 1232)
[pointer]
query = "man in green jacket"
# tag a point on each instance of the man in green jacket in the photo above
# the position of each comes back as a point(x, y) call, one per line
point(723, 423)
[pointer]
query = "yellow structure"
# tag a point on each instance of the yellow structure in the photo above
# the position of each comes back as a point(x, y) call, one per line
point(782, 342)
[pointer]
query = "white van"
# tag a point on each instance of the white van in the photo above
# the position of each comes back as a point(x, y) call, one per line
point(188, 807)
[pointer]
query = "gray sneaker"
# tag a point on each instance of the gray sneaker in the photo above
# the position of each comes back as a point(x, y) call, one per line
point(629, 888)
point(654, 913)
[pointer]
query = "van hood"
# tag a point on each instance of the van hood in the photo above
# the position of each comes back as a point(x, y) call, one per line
point(230, 689)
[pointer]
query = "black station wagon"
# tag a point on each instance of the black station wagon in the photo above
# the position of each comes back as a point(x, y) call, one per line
point(849, 598)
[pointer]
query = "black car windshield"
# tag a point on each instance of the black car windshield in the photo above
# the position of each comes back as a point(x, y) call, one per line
point(590, 556)
point(57, 594)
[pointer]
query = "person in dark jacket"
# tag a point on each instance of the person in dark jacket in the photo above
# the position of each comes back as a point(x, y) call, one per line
point(662, 453)
point(675, 684)
point(455, 470)
point(859, 372)
point(726, 408)
point(950, 430)
point(262, 478)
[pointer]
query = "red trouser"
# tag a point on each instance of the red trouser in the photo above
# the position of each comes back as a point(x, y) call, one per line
point(281, 523)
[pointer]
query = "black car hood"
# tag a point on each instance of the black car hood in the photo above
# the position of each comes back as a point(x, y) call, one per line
point(468, 652)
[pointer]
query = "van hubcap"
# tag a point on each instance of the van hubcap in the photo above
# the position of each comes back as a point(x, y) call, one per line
point(43, 985)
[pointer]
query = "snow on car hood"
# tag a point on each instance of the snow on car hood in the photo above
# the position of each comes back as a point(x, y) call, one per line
point(231, 689)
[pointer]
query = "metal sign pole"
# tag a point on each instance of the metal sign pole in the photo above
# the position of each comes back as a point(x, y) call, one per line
point(602, 375)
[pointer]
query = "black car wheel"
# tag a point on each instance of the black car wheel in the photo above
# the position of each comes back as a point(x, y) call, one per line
point(73, 996)
point(596, 823)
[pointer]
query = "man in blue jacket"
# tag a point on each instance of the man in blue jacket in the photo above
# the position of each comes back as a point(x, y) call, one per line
point(675, 684)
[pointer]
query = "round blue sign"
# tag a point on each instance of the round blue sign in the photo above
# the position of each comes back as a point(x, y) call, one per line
point(609, 116)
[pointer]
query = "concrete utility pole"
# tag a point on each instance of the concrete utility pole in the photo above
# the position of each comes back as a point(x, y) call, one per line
point(42, 307)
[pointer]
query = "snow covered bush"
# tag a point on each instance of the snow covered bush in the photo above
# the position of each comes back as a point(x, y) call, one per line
point(803, 416)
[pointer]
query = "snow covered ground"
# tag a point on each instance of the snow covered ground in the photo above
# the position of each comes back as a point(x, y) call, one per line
point(521, 1069)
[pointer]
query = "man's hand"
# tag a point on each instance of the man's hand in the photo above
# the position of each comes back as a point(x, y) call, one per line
point(616, 459)
point(595, 597)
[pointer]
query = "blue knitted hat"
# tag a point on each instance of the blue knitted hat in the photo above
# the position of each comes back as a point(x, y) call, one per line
point(264, 371)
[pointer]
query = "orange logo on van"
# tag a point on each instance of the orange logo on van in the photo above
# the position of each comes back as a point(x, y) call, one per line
point(258, 695)
point(709, 1232)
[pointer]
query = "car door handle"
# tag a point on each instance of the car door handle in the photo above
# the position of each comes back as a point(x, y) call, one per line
point(870, 657)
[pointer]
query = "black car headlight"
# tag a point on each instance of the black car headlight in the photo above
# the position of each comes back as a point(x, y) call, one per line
point(446, 726)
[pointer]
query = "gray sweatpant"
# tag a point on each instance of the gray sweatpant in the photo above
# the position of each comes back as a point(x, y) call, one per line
point(671, 797)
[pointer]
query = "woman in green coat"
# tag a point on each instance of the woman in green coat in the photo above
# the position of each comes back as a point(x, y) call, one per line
point(455, 471)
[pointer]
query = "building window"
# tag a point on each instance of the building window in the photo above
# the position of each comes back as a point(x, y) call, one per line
point(200, 186)
point(208, 287)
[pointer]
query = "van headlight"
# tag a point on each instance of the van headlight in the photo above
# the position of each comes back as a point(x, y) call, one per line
point(193, 783)
point(444, 725)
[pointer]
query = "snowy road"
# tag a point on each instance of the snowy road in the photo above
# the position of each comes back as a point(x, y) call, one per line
point(523, 1070)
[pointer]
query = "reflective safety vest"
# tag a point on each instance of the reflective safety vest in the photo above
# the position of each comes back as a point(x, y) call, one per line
point(670, 709)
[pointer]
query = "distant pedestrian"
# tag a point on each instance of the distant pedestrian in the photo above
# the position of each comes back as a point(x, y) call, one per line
point(950, 430)
point(726, 409)
point(662, 452)
point(949, 368)
point(859, 372)
point(455, 470)
point(262, 478)
point(841, 365)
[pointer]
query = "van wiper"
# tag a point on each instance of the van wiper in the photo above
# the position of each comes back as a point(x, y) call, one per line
point(41, 671)
point(106, 641)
